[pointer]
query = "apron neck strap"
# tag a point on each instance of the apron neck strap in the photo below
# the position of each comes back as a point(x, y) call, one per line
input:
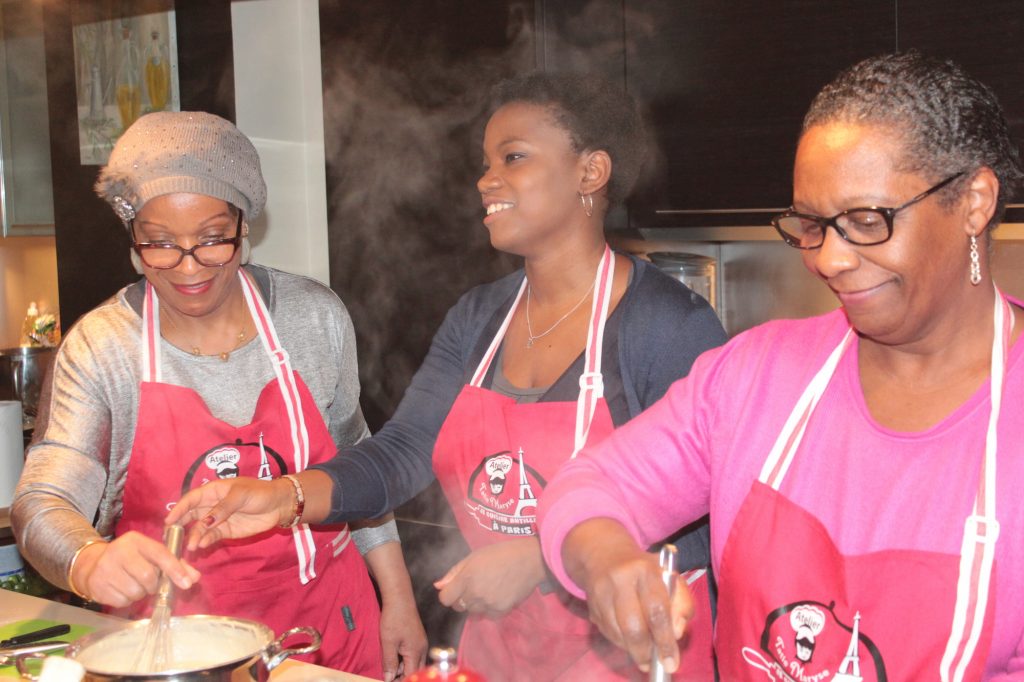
point(591, 382)
point(151, 352)
point(282, 366)
point(603, 281)
point(981, 528)
point(151, 371)
point(492, 349)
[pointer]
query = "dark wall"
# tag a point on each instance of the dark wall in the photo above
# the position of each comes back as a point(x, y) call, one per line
point(404, 87)
point(404, 105)
point(92, 246)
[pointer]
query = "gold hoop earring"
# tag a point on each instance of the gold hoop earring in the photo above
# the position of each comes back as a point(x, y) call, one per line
point(587, 200)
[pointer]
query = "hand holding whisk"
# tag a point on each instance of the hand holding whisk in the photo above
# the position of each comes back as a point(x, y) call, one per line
point(156, 646)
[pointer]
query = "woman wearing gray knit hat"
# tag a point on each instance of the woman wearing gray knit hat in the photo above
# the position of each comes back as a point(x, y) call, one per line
point(205, 369)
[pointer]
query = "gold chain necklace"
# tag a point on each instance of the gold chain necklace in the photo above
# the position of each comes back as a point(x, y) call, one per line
point(223, 355)
point(529, 327)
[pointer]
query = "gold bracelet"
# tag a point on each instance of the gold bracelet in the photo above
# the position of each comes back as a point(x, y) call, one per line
point(71, 569)
point(300, 502)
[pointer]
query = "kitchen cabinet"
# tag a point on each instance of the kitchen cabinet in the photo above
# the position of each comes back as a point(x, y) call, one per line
point(985, 38)
point(26, 185)
point(727, 85)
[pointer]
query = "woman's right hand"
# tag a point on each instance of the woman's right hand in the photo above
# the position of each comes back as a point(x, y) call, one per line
point(625, 594)
point(125, 570)
point(233, 508)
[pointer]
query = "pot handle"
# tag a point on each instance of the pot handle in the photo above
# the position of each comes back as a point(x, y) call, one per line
point(19, 656)
point(21, 663)
point(276, 653)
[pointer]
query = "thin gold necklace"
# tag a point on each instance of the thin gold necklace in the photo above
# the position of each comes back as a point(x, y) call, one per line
point(223, 355)
point(529, 327)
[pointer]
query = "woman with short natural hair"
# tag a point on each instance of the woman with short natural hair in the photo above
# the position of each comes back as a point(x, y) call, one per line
point(523, 372)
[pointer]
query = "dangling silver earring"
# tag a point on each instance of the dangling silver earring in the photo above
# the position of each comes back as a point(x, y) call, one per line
point(975, 262)
point(588, 204)
point(136, 261)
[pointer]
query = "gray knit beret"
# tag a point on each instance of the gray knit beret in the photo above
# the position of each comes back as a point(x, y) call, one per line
point(182, 151)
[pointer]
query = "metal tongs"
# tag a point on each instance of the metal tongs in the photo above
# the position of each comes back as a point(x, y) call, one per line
point(667, 558)
point(9, 655)
point(32, 644)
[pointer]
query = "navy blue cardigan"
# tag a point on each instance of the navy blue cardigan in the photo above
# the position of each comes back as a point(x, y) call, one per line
point(651, 339)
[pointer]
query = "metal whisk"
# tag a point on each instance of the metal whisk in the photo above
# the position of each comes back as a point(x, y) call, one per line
point(667, 561)
point(156, 646)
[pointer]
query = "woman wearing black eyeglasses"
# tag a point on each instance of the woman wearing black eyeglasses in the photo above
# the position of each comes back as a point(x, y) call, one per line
point(202, 370)
point(849, 462)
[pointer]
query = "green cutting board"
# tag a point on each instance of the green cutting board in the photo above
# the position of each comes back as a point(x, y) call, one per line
point(23, 627)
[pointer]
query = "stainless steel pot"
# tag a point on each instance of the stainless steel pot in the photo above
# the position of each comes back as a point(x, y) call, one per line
point(206, 648)
point(22, 371)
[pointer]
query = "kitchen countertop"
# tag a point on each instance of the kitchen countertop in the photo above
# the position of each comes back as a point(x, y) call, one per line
point(15, 606)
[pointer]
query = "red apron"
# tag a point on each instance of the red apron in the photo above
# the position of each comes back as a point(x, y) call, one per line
point(885, 615)
point(282, 578)
point(493, 457)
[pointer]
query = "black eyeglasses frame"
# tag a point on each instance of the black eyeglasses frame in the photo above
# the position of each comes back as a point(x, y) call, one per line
point(236, 241)
point(888, 214)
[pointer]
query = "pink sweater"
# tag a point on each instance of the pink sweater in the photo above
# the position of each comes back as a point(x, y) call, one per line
point(699, 449)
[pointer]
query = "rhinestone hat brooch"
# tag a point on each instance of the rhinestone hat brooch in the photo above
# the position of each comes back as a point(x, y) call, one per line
point(123, 209)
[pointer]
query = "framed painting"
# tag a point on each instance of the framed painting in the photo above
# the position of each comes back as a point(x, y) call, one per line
point(125, 67)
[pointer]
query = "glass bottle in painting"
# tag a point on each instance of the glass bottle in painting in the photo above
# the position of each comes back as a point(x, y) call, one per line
point(158, 73)
point(128, 88)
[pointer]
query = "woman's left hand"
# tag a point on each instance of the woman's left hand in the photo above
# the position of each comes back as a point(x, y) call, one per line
point(403, 640)
point(494, 579)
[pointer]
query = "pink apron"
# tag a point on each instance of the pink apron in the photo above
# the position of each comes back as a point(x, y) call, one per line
point(493, 457)
point(284, 577)
point(885, 615)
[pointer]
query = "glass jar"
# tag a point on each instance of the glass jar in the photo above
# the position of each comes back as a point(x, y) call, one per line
point(693, 270)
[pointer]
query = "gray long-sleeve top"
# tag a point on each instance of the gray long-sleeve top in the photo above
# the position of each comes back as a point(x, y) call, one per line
point(651, 339)
point(71, 488)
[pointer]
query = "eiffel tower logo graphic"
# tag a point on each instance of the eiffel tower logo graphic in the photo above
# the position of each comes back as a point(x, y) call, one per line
point(849, 669)
point(264, 474)
point(526, 497)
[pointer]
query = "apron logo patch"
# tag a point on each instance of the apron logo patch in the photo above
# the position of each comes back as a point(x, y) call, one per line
point(224, 461)
point(502, 494)
point(230, 460)
point(806, 642)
